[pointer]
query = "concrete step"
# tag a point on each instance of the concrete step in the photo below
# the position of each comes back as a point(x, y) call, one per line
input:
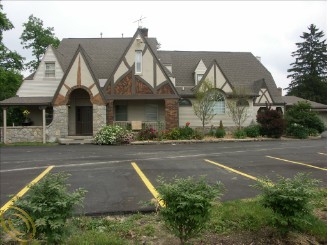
point(75, 140)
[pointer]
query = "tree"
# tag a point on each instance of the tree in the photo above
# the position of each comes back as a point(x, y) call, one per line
point(11, 63)
point(38, 38)
point(238, 106)
point(205, 101)
point(309, 71)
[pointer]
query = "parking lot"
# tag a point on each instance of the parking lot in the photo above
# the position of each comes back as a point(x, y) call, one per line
point(123, 178)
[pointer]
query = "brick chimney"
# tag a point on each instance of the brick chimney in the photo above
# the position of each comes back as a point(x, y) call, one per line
point(144, 32)
point(280, 91)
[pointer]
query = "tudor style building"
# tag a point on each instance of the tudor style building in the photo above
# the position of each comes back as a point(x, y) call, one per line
point(89, 82)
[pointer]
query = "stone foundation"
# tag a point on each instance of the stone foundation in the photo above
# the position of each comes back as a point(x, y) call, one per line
point(23, 134)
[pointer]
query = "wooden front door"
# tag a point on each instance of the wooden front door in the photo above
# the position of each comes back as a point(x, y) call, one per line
point(84, 120)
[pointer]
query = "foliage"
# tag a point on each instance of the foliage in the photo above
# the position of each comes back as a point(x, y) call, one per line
point(252, 131)
point(50, 204)
point(272, 123)
point(220, 132)
point(111, 135)
point(10, 78)
point(203, 106)
point(147, 134)
point(239, 134)
point(182, 133)
point(301, 114)
point(297, 131)
point(238, 106)
point(37, 38)
point(188, 204)
point(290, 199)
point(309, 71)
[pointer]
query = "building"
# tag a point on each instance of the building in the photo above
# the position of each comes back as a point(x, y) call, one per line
point(89, 82)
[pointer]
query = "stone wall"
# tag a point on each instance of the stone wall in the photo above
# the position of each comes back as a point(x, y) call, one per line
point(99, 117)
point(59, 126)
point(23, 134)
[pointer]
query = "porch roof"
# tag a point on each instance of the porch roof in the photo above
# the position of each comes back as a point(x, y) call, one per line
point(13, 101)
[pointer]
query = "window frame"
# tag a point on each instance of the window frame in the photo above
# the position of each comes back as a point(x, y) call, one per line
point(49, 73)
point(138, 62)
point(219, 107)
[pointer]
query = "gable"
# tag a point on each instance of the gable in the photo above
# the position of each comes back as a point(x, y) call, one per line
point(40, 85)
point(79, 75)
point(151, 79)
point(215, 75)
point(264, 97)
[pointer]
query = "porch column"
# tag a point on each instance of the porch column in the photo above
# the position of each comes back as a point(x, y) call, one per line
point(171, 113)
point(43, 108)
point(110, 112)
point(5, 125)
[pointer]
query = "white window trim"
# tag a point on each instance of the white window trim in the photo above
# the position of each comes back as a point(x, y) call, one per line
point(138, 55)
point(49, 73)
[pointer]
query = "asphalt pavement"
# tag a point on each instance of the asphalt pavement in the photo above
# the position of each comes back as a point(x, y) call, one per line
point(122, 179)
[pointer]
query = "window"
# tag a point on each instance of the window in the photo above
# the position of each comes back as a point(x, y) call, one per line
point(184, 102)
point(50, 69)
point(151, 112)
point(121, 113)
point(138, 62)
point(199, 77)
point(219, 105)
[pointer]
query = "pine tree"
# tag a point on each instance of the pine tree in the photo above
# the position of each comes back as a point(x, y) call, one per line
point(309, 71)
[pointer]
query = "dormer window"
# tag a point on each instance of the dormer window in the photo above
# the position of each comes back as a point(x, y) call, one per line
point(138, 61)
point(199, 77)
point(50, 69)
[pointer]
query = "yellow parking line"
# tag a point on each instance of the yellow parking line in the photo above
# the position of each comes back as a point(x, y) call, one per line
point(322, 153)
point(236, 171)
point(24, 190)
point(149, 185)
point(299, 163)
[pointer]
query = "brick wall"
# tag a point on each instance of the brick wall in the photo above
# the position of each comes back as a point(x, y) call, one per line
point(171, 113)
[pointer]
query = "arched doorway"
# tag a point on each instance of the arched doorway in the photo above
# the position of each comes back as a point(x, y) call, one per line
point(80, 113)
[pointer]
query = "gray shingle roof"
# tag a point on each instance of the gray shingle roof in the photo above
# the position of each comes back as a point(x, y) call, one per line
point(26, 101)
point(240, 68)
point(103, 53)
point(291, 100)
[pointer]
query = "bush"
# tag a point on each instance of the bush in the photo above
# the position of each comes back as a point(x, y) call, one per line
point(252, 131)
point(111, 135)
point(147, 134)
point(302, 115)
point(186, 133)
point(289, 199)
point(297, 131)
point(272, 123)
point(239, 134)
point(188, 204)
point(49, 204)
point(220, 133)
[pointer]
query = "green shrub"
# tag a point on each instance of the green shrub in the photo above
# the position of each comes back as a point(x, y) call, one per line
point(252, 131)
point(220, 132)
point(50, 204)
point(297, 131)
point(111, 135)
point(173, 134)
point(289, 199)
point(272, 123)
point(313, 132)
point(239, 134)
point(147, 134)
point(302, 114)
point(188, 204)
point(186, 133)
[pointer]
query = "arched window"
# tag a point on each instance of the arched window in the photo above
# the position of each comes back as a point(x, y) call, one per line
point(184, 102)
point(219, 106)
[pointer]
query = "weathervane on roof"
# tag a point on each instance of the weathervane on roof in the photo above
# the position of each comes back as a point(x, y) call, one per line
point(139, 21)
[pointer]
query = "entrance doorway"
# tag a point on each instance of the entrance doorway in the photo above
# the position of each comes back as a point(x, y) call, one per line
point(84, 120)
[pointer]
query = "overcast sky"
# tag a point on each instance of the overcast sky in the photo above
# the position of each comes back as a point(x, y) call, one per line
point(268, 29)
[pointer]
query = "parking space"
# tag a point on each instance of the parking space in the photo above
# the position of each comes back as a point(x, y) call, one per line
point(114, 183)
